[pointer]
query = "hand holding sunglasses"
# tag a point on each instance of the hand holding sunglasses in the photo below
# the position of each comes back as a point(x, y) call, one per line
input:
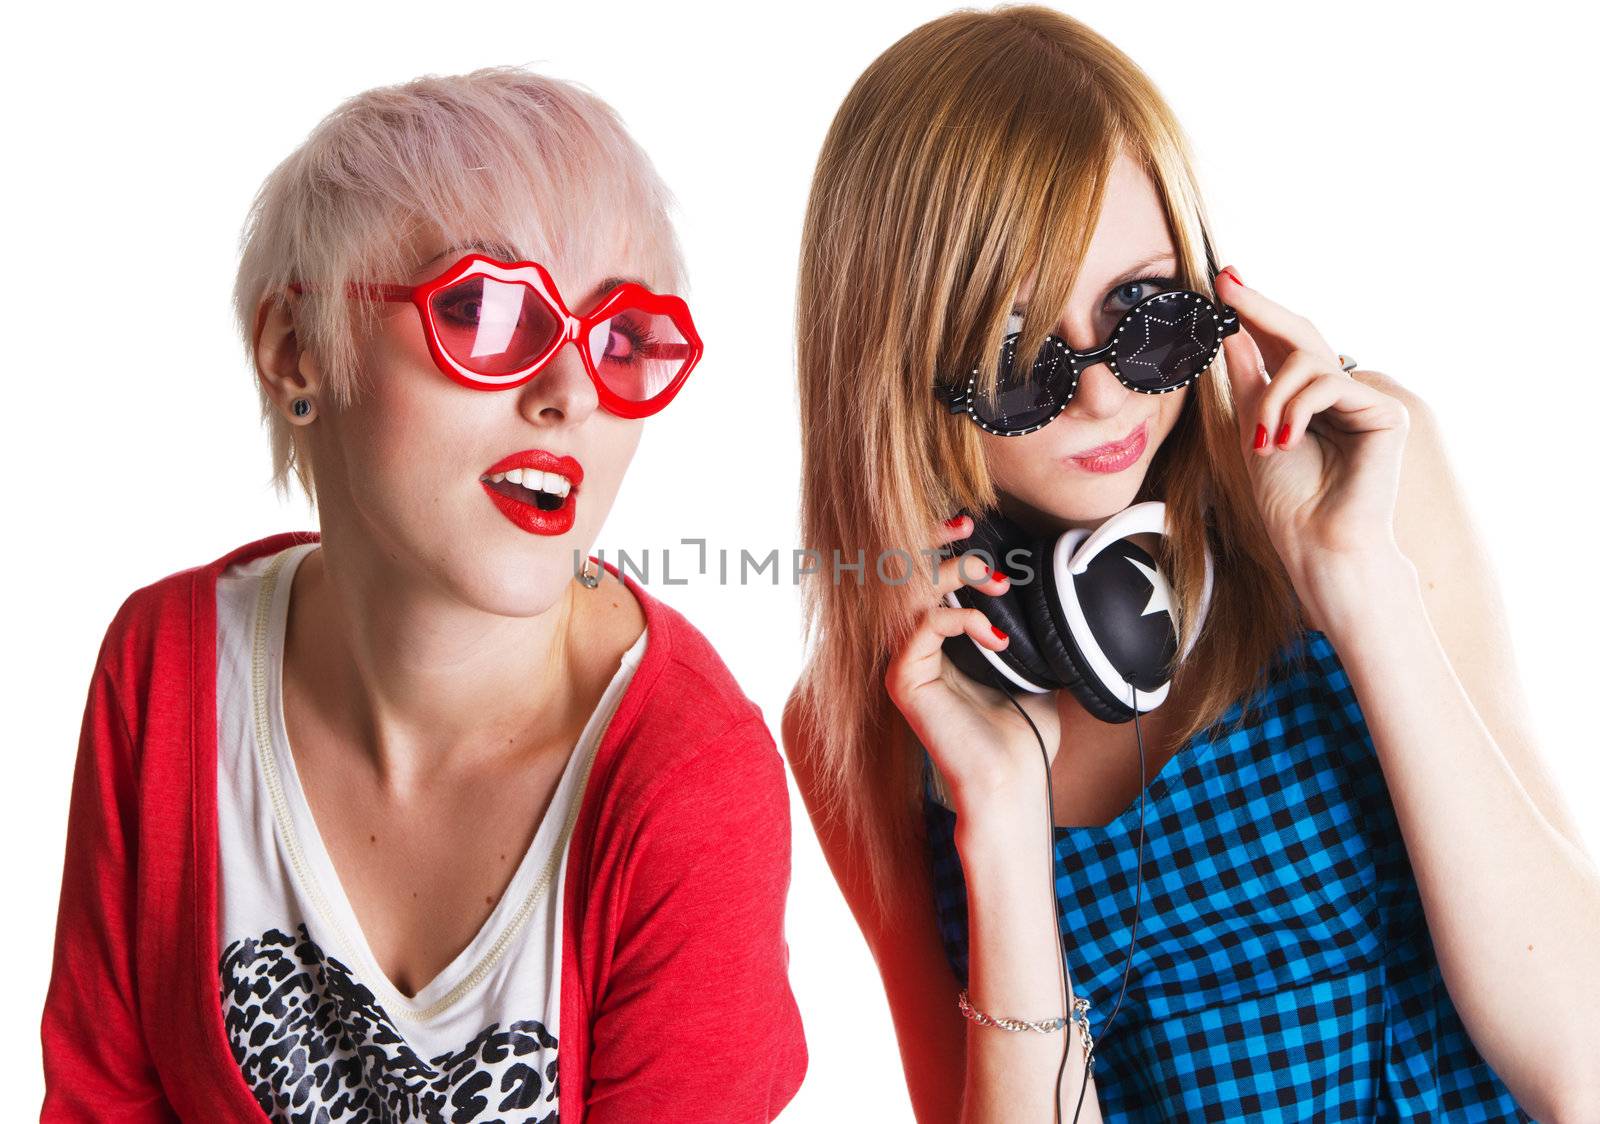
point(1159, 345)
point(493, 325)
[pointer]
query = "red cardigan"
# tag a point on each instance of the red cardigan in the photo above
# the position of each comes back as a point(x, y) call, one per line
point(675, 1000)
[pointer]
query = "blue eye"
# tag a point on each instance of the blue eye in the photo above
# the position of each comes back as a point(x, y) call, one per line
point(1120, 299)
point(1132, 292)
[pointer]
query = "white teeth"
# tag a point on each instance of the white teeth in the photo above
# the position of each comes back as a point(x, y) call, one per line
point(535, 481)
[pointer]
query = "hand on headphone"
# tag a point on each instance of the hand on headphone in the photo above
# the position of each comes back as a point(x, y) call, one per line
point(985, 750)
point(1323, 449)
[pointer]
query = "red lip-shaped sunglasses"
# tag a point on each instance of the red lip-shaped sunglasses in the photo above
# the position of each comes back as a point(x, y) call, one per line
point(493, 325)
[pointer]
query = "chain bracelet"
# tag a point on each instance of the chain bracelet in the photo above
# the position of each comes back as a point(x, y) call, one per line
point(1042, 1026)
point(1080, 1016)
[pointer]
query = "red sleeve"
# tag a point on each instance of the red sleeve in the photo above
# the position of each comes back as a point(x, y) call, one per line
point(697, 1021)
point(96, 1064)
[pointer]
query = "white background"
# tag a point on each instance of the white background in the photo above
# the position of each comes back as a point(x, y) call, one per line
point(1416, 180)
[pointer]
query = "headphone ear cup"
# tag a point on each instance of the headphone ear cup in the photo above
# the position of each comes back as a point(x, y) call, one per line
point(973, 663)
point(1021, 655)
point(1059, 647)
point(998, 539)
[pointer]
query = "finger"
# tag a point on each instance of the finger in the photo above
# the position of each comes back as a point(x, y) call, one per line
point(954, 529)
point(918, 663)
point(1277, 331)
point(1342, 403)
point(1292, 377)
point(971, 568)
point(1247, 376)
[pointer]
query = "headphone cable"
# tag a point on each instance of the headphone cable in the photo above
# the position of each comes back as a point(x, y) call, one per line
point(1061, 949)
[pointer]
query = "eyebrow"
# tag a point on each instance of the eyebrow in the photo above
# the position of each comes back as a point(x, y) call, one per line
point(507, 253)
point(607, 285)
point(1134, 271)
point(493, 249)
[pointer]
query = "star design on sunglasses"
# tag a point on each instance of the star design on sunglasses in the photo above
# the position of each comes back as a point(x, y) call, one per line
point(1172, 341)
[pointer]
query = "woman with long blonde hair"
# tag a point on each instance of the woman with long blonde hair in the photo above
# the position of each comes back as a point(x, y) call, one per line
point(1352, 889)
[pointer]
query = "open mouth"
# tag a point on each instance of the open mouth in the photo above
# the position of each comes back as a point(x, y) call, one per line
point(547, 491)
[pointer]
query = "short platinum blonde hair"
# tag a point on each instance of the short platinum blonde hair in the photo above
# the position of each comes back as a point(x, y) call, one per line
point(500, 155)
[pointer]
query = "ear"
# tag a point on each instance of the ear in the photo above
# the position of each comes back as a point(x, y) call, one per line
point(285, 367)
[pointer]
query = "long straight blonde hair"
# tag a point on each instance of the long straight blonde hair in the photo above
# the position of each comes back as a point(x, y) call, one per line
point(970, 153)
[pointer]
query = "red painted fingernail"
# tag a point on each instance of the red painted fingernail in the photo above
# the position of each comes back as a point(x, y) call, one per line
point(954, 521)
point(1283, 434)
point(998, 576)
point(1234, 273)
point(1000, 635)
point(1261, 435)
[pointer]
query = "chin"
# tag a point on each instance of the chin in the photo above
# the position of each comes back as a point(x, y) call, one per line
point(499, 570)
point(1084, 501)
point(513, 584)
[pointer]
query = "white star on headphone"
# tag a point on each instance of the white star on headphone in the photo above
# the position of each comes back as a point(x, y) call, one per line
point(1159, 601)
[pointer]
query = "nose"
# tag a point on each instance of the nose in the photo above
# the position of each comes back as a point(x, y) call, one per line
point(561, 393)
point(1085, 331)
point(1099, 393)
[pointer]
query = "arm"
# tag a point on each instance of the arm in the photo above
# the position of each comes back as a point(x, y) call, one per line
point(96, 1063)
point(1512, 901)
point(697, 1021)
point(955, 1070)
point(917, 980)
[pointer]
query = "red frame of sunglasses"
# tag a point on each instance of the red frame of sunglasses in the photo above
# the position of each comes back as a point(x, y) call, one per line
point(574, 329)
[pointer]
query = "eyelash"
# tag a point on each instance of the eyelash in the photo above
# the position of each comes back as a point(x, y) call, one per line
point(1166, 284)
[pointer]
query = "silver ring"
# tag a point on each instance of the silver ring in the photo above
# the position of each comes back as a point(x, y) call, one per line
point(1346, 363)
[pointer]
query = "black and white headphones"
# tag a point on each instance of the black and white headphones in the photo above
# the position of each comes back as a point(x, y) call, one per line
point(1089, 612)
point(1093, 617)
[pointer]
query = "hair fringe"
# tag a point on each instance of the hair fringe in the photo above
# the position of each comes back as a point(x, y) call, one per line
point(538, 165)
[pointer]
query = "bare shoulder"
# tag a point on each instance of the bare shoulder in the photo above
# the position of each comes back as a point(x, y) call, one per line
point(608, 619)
point(615, 613)
point(1380, 381)
point(606, 622)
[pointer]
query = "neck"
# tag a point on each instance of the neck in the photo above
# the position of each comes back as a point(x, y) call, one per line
point(391, 662)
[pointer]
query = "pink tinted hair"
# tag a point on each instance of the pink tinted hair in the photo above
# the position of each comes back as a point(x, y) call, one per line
point(500, 155)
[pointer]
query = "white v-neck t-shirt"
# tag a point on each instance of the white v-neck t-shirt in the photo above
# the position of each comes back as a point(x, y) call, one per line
point(311, 1018)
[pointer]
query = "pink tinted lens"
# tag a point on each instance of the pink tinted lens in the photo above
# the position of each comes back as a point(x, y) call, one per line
point(637, 354)
point(493, 327)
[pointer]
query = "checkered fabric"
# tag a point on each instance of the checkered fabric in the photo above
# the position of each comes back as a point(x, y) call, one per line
point(1283, 968)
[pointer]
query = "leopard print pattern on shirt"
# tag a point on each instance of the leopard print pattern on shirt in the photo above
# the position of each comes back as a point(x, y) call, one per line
point(315, 1046)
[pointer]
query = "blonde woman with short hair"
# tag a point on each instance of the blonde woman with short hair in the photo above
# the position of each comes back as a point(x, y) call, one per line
point(424, 815)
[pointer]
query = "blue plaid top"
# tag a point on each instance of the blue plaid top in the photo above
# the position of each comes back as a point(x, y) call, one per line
point(1282, 967)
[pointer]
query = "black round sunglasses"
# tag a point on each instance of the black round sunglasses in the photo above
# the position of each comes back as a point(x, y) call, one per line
point(1161, 344)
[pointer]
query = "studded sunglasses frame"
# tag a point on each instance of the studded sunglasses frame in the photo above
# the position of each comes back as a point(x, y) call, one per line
point(962, 397)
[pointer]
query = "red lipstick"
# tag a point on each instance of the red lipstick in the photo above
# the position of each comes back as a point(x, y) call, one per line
point(535, 509)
